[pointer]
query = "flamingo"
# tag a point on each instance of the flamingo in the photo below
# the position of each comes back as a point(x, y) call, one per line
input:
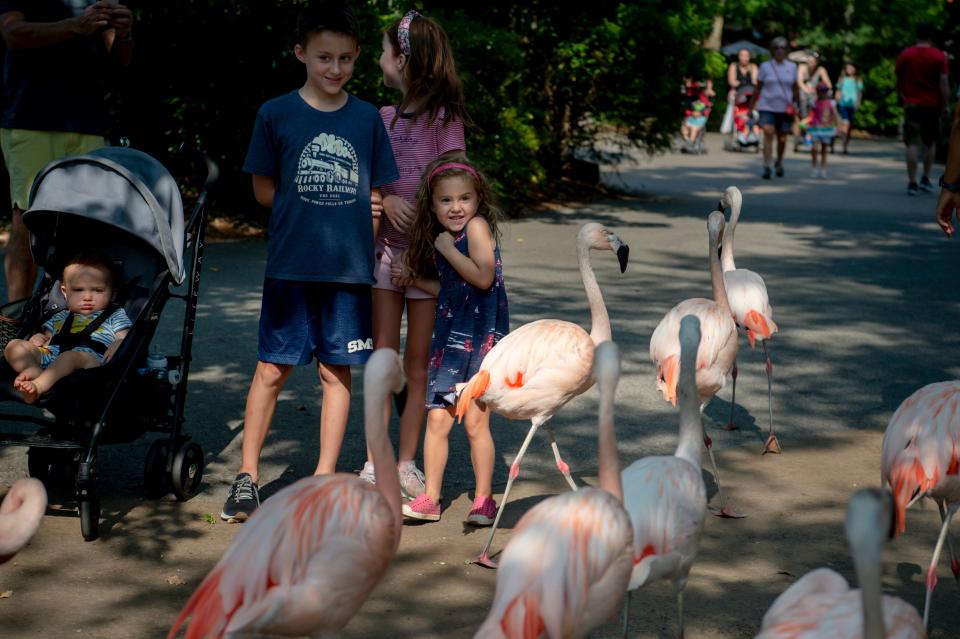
point(920, 458)
point(568, 562)
point(536, 369)
point(751, 308)
point(821, 604)
point(665, 495)
point(718, 344)
point(310, 555)
point(20, 515)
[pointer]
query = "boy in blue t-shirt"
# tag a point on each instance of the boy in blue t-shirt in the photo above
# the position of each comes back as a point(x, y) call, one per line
point(316, 156)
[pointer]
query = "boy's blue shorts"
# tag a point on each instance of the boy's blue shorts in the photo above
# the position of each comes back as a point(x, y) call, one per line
point(326, 320)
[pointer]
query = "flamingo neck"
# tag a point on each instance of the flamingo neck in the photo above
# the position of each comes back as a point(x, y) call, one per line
point(726, 252)
point(607, 444)
point(716, 277)
point(867, 559)
point(691, 428)
point(381, 451)
point(600, 321)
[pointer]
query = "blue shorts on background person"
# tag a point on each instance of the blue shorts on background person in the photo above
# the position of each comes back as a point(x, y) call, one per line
point(781, 122)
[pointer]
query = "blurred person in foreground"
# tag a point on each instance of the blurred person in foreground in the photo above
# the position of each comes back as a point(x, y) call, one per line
point(949, 202)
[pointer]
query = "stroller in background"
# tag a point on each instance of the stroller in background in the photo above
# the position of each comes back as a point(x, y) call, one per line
point(744, 134)
point(126, 205)
point(698, 103)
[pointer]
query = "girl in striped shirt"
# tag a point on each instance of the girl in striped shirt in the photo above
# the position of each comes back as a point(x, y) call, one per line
point(428, 123)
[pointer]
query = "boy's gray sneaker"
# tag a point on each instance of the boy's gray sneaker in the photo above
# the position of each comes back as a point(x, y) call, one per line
point(242, 500)
point(411, 481)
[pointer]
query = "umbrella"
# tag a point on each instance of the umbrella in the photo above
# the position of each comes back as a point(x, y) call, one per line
point(801, 55)
point(734, 47)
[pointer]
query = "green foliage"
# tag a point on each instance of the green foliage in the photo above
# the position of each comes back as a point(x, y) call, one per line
point(869, 33)
point(541, 78)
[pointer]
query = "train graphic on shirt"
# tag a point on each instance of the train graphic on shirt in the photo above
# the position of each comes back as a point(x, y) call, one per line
point(328, 171)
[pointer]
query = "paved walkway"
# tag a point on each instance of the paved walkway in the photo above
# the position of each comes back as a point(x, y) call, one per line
point(862, 285)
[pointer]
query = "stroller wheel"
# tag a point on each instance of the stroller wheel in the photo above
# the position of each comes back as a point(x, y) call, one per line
point(156, 481)
point(89, 516)
point(187, 471)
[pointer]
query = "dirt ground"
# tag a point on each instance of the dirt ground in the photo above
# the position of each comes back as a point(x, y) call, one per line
point(861, 284)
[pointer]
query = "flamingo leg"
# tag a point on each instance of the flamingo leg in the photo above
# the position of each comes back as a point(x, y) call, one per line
point(772, 445)
point(484, 558)
point(954, 564)
point(723, 511)
point(680, 610)
point(626, 613)
point(733, 398)
point(932, 570)
point(561, 465)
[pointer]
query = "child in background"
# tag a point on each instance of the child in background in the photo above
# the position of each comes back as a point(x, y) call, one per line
point(315, 156)
point(428, 122)
point(849, 94)
point(84, 335)
point(455, 254)
point(824, 119)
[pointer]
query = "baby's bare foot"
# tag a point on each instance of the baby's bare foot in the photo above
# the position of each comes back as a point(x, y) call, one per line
point(29, 390)
point(28, 374)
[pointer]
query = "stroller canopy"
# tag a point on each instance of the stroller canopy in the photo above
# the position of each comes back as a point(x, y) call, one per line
point(118, 186)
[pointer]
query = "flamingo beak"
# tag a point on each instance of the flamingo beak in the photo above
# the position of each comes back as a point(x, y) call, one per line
point(720, 207)
point(619, 247)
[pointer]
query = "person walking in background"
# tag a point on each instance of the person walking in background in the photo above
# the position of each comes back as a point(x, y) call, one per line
point(822, 128)
point(741, 77)
point(810, 74)
point(58, 57)
point(922, 89)
point(776, 99)
point(315, 156)
point(849, 94)
point(948, 205)
point(428, 122)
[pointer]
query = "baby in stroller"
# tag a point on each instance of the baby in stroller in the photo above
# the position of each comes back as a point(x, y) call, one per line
point(83, 335)
point(745, 133)
point(699, 102)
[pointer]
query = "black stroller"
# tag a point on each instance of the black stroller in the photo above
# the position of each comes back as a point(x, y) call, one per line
point(124, 204)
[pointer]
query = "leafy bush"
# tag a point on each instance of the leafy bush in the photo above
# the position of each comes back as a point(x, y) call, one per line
point(541, 78)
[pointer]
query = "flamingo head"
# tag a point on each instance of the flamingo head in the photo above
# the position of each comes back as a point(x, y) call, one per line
point(20, 515)
point(715, 225)
point(597, 237)
point(870, 520)
point(384, 369)
point(731, 198)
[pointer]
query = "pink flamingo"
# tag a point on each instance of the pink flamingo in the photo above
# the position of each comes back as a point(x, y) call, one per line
point(820, 605)
point(310, 555)
point(665, 495)
point(920, 458)
point(20, 515)
point(568, 562)
point(751, 308)
point(536, 369)
point(718, 344)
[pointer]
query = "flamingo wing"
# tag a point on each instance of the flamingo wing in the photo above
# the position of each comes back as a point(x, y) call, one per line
point(304, 562)
point(715, 356)
point(564, 569)
point(800, 608)
point(667, 501)
point(538, 368)
point(921, 447)
point(749, 303)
